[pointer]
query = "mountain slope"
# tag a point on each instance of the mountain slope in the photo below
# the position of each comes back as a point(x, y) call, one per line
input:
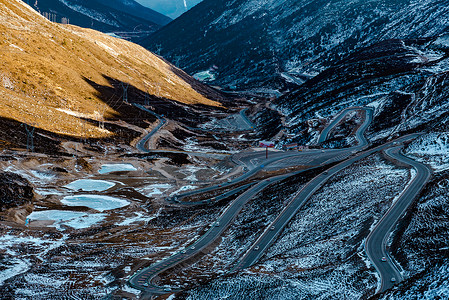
point(171, 8)
point(53, 76)
point(254, 41)
point(105, 16)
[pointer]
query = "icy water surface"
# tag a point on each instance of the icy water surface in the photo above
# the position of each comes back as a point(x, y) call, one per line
point(97, 202)
point(108, 168)
point(74, 219)
point(90, 185)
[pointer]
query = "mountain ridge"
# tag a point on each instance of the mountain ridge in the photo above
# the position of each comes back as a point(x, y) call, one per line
point(254, 42)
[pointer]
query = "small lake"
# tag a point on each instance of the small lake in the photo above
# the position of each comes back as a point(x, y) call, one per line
point(109, 168)
point(90, 185)
point(97, 202)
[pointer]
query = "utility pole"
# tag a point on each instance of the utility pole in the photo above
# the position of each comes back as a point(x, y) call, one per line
point(30, 136)
point(102, 110)
point(125, 91)
point(147, 97)
point(158, 49)
point(158, 88)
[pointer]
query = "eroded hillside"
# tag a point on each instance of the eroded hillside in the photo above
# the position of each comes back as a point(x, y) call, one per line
point(48, 73)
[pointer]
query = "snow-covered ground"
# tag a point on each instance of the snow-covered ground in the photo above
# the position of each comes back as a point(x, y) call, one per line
point(13, 262)
point(74, 219)
point(183, 189)
point(320, 255)
point(154, 189)
point(432, 149)
point(138, 217)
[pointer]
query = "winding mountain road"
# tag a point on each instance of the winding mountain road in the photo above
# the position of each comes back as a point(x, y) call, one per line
point(272, 231)
point(376, 242)
point(142, 279)
point(360, 138)
point(256, 161)
point(162, 121)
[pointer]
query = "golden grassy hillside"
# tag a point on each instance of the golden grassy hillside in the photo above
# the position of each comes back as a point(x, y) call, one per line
point(44, 65)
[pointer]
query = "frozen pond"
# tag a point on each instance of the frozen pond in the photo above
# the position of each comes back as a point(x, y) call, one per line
point(108, 168)
point(74, 219)
point(90, 185)
point(97, 202)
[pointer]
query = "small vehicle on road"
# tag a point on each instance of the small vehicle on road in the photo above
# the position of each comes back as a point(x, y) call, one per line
point(217, 224)
point(272, 228)
point(384, 259)
point(393, 279)
point(256, 248)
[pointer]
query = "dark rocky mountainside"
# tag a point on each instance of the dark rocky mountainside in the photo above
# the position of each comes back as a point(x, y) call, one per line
point(403, 79)
point(14, 190)
point(254, 42)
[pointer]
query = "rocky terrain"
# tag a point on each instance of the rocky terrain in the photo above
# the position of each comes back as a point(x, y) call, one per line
point(264, 43)
point(75, 83)
point(99, 137)
point(14, 190)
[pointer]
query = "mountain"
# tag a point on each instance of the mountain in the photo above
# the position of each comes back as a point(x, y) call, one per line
point(65, 80)
point(257, 43)
point(171, 8)
point(321, 253)
point(403, 79)
point(106, 16)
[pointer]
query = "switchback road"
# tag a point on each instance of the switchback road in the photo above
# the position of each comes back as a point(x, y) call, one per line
point(376, 242)
point(276, 227)
point(256, 161)
point(143, 279)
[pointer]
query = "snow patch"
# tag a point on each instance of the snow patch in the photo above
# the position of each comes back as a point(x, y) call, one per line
point(182, 189)
point(154, 189)
point(432, 149)
point(139, 217)
point(74, 219)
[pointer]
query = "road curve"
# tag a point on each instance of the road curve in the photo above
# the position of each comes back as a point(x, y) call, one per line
point(142, 279)
point(317, 157)
point(376, 242)
point(360, 138)
point(246, 119)
point(272, 231)
point(141, 144)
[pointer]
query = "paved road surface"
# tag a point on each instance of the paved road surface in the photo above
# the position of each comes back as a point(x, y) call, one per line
point(142, 279)
point(256, 161)
point(375, 245)
point(376, 242)
point(360, 138)
point(276, 227)
point(141, 144)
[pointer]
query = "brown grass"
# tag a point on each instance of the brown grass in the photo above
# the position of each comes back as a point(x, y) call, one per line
point(43, 67)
